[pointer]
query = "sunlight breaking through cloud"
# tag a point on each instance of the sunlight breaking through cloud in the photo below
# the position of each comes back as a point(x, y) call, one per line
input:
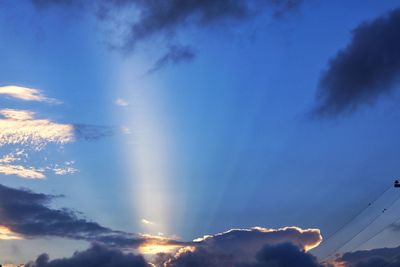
point(7, 234)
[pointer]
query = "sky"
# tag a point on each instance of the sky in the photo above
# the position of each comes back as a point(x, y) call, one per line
point(199, 133)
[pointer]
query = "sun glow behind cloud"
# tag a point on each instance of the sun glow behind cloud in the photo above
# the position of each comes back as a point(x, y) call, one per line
point(7, 234)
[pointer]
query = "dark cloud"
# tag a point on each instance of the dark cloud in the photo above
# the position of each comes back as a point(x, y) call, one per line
point(198, 258)
point(166, 18)
point(279, 255)
point(388, 257)
point(245, 242)
point(139, 21)
point(96, 256)
point(176, 54)
point(27, 213)
point(283, 255)
point(395, 227)
point(89, 132)
point(365, 70)
point(240, 246)
point(160, 17)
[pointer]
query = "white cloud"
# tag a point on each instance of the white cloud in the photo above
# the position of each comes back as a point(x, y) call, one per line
point(21, 133)
point(64, 170)
point(251, 240)
point(20, 127)
point(121, 102)
point(19, 115)
point(25, 93)
point(9, 167)
point(147, 222)
point(22, 171)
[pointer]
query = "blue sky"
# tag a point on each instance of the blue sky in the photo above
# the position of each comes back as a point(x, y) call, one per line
point(222, 140)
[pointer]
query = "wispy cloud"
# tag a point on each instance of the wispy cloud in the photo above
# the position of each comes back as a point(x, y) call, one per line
point(20, 127)
point(23, 130)
point(90, 132)
point(64, 170)
point(140, 22)
point(25, 93)
point(21, 133)
point(147, 222)
point(176, 54)
point(121, 102)
point(21, 171)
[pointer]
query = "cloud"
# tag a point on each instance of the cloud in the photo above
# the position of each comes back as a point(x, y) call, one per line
point(24, 93)
point(147, 222)
point(27, 214)
point(176, 54)
point(7, 234)
point(240, 246)
point(121, 102)
point(97, 255)
point(189, 256)
point(250, 240)
point(21, 171)
point(365, 70)
point(285, 254)
point(20, 127)
point(278, 255)
point(89, 132)
point(140, 21)
point(165, 18)
point(388, 257)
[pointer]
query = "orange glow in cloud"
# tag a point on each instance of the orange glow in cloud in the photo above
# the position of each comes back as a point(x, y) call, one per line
point(157, 244)
point(154, 248)
point(7, 234)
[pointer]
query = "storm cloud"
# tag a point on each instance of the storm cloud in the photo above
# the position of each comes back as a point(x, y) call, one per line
point(365, 70)
point(245, 247)
point(388, 257)
point(279, 255)
point(285, 254)
point(97, 255)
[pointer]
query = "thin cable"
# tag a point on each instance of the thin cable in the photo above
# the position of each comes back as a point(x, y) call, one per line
point(355, 216)
point(357, 234)
point(376, 234)
point(365, 227)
